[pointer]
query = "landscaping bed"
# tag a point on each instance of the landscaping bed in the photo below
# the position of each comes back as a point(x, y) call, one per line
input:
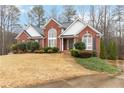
point(97, 64)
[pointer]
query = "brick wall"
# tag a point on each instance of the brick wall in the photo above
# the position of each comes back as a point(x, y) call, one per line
point(52, 24)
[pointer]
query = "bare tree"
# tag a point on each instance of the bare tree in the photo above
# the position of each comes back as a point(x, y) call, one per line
point(9, 17)
point(118, 18)
point(54, 12)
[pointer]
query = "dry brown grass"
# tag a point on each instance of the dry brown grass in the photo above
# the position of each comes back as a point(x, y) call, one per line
point(21, 70)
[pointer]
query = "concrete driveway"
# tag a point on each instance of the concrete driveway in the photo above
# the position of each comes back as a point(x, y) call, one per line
point(90, 81)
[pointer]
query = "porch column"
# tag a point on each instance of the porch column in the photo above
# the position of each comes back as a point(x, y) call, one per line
point(74, 42)
point(62, 44)
point(43, 43)
point(67, 44)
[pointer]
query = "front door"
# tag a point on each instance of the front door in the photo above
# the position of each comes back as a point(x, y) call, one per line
point(68, 43)
point(71, 43)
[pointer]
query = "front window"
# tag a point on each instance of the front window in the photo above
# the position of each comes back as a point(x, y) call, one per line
point(87, 39)
point(52, 38)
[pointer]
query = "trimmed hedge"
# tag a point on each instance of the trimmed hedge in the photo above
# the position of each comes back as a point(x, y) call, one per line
point(21, 47)
point(39, 51)
point(18, 48)
point(75, 52)
point(34, 46)
point(25, 47)
point(55, 49)
point(46, 49)
point(51, 49)
point(83, 54)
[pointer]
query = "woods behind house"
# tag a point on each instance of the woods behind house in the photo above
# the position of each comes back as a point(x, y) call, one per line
point(109, 20)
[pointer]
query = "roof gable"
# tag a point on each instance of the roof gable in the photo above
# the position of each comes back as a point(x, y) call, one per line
point(21, 34)
point(75, 27)
point(93, 29)
point(50, 21)
point(33, 32)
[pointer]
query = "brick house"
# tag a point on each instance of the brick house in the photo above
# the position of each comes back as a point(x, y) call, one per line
point(63, 36)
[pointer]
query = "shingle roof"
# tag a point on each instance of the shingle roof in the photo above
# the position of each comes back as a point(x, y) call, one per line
point(76, 27)
point(34, 31)
point(66, 24)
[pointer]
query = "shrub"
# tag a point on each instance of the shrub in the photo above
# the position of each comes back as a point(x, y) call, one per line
point(29, 51)
point(80, 45)
point(103, 52)
point(55, 49)
point(75, 52)
point(28, 45)
point(34, 46)
point(94, 54)
point(18, 48)
point(21, 47)
point(85, 54)
point(112, 50)
point(20, 51)
point(39, 51)
point(36, 51)
point(50, 50)
point(46, 49)
point(14, 47)
point(15, 51)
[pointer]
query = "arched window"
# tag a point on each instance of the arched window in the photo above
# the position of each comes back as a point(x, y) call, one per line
point(88, 40)
point(52, 38)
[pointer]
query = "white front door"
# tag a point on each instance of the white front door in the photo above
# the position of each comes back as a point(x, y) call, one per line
point(88, 40)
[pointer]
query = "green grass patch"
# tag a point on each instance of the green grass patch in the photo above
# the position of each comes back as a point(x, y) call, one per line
point(97, 64)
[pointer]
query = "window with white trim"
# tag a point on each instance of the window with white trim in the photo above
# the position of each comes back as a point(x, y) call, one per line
point(87, 39)
point(52, 38)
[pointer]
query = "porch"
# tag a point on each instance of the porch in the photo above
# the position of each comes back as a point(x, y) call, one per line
point(67, 44)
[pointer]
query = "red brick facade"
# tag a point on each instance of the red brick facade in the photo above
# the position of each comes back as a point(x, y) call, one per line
point(23, 37)
point(94, 35)
point(52, 24)
point(62, 44)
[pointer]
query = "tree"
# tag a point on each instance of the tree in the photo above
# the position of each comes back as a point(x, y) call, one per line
point(54, 12)
point(9, 18)
point(103, 52)
point(82, 13)
point(92, 15)
point(112, 50)
point(36, 16)
point(69, 12)
point(118, 18)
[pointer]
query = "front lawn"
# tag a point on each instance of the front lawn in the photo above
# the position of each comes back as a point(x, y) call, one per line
point(97, 64)
point(22, 70)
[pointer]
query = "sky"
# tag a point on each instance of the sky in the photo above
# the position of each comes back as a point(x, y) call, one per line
point(25, 8)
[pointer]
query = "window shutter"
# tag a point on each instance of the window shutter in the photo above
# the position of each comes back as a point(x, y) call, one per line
point(94, 43)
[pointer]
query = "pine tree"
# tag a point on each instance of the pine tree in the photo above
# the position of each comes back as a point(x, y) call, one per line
point(112, 50)
point(103, 53)
point(69, 12)
point(36, 16)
